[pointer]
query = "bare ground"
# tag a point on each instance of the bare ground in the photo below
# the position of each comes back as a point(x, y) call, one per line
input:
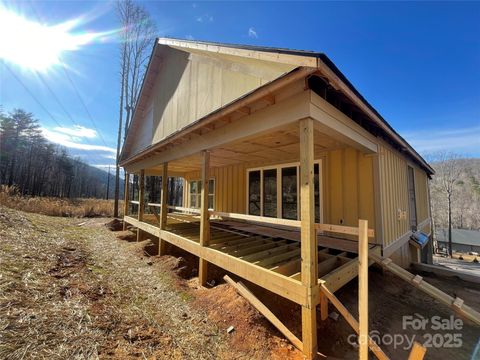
point(70, 288)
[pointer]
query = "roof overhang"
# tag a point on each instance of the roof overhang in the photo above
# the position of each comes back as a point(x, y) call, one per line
point(307, 62)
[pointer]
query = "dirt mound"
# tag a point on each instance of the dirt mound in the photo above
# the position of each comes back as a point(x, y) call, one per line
point(253, 334)
point(180, 266)
point(126, 235)
point(115, 225)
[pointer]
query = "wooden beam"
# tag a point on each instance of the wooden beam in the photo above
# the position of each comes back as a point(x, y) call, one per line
point(309, 251)
point(465, 310)
point(204, 216)
point(245, 110)
point(270, 280)
point(363, 289)
point(163, 208)
point(272, 56)
point(342, 229)
point(378, 198)
point(323, 307)
point(141, 202)
point(352, 321)
point(260, 219)
point(418, 352)
point(126, 205)
point(262, 121)
point(257, 304)
point(331, 121)
point(270, 99)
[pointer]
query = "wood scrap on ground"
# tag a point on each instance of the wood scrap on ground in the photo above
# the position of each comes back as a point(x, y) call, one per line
point(257, 304)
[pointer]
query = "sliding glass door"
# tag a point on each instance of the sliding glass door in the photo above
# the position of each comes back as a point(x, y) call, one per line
point(254, 192)
point(289, 193)
point(270, 193)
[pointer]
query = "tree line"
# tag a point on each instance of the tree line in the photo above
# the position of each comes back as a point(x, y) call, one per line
point(455, 193)
point(37, 167)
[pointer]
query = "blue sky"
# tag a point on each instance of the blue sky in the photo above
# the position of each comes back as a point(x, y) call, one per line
point(417, 63)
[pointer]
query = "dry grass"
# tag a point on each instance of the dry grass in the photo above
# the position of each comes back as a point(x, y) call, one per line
point(52, 206)
point(70, 291)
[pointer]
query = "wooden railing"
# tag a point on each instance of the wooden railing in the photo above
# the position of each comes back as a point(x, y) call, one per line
point(347, 230)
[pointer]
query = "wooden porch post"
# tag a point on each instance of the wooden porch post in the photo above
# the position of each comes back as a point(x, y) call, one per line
point(141, 202)
point(126, 195)
point(309, 251)
point(363, 289)
point(204, 217)
point(163, 208)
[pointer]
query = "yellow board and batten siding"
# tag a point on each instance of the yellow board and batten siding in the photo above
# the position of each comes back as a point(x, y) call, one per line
point(396, 216)
point(393, 187)
point(347, 187)
point(195, 84)
point(230, 187)
point(421, 192)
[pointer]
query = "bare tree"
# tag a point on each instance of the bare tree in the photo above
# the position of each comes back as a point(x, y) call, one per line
point(138, 31)
point(448, 169)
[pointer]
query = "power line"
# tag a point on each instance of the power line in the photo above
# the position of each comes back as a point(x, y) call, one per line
point(42, 79)
point(83, 103)
point(31, 93)
point(35, 11)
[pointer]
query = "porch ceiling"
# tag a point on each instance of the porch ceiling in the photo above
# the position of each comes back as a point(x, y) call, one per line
point(279, 146)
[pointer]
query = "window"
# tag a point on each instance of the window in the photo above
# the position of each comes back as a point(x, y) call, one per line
point(412, 201)
point(270, 193)
point(254, 205)
point(195, 193)
point(274, 191)
point(289, 193)
point(318, 183)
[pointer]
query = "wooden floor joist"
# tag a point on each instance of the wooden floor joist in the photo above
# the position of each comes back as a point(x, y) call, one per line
point(455, 303)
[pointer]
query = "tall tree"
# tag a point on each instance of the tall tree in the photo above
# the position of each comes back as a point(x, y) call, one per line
point(447, 173)
point(138, 31)
point(37, 167)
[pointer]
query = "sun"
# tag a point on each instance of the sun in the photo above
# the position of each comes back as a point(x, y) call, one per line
point(38, 47)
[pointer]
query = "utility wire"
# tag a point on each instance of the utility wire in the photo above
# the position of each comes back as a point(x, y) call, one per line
point(83, 103)
point(31, 93)
point(42, 79)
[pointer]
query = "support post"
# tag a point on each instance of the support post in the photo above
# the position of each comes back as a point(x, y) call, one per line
point(141, 202)
point(309, 252)
point(363, 289)
point(126, 196)
point(323, 307)
point(163, 208)
point(204, 217)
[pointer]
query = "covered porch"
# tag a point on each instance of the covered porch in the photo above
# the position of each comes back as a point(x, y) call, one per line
point(278, 239)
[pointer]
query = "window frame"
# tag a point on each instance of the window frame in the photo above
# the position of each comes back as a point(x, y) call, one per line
point(279, 168)
point(198, 194)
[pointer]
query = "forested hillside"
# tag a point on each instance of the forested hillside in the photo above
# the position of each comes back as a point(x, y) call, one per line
point(38, 167)
point(465, 175)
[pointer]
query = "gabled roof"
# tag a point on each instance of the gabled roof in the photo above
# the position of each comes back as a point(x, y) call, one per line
point(300, 58)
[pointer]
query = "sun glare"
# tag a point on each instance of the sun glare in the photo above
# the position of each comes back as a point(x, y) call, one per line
point(37, 46)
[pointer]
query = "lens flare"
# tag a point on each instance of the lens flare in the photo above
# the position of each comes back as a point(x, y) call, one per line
point(38, 47)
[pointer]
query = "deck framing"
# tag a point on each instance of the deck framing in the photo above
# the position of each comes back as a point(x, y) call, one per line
point(247, 258)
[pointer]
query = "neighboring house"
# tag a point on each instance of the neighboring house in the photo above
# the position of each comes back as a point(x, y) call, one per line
point(287, 155)
point(462, 240)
